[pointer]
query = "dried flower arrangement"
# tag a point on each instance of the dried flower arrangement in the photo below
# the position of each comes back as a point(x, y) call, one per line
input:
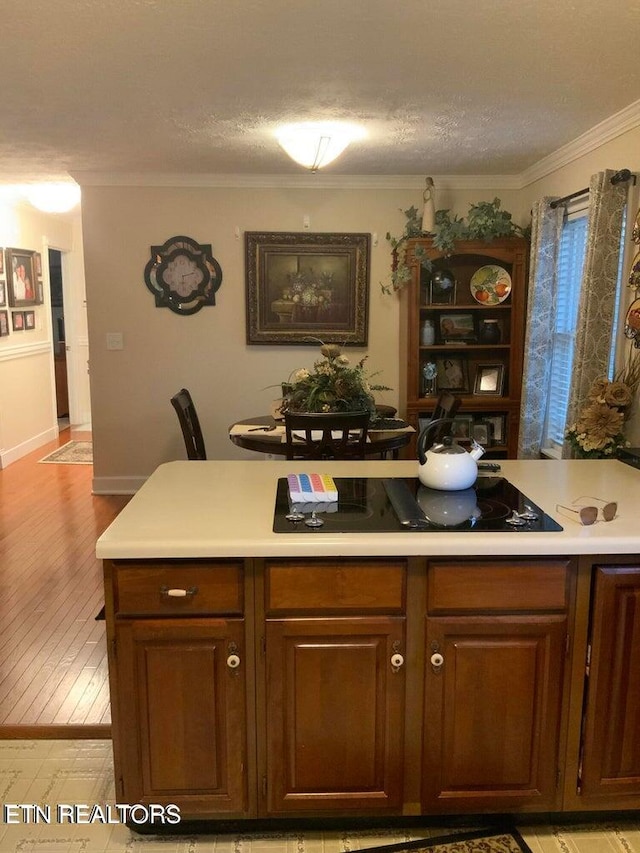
point(598, 432)
point(332, 386)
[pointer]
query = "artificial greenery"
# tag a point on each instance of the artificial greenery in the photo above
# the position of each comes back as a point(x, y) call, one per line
point(485, 221)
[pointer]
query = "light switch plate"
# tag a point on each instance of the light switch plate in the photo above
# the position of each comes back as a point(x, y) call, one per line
point(115, 340)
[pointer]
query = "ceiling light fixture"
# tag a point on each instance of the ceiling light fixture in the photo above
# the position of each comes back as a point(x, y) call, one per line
point(53, 197)
point(314, 144)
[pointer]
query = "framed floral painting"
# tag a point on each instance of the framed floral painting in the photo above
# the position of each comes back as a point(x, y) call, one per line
point(304, 288)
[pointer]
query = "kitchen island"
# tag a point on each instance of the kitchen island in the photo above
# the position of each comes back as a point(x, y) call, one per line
point(261, 675)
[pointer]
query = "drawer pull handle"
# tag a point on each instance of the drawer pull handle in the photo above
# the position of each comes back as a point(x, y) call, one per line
point(178, 593)
point(233, 661)
point(436, 660)
point(396, 661)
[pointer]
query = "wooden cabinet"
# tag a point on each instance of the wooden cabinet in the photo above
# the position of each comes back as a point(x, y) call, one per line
point(178, 667)
point(610, 771)
point(494, 669)
point(334, 685)
point(477, 348)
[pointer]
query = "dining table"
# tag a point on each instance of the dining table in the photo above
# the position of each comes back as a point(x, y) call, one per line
point(265, 434)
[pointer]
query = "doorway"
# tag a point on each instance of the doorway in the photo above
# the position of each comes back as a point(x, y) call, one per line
point(58, 334)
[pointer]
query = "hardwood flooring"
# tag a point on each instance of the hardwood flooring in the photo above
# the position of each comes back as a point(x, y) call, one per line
point(53, 664)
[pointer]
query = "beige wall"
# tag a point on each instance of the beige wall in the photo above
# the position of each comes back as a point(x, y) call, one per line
point(27, 402)
point(134, 426)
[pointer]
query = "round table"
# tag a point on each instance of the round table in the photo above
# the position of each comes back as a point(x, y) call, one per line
point(261, 441)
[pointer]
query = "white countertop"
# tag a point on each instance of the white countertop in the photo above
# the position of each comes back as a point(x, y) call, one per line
point(225, 509)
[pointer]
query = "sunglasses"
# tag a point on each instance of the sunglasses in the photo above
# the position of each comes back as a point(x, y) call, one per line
point(589, 514)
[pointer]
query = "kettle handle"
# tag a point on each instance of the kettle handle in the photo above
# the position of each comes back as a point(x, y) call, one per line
point(426, 432)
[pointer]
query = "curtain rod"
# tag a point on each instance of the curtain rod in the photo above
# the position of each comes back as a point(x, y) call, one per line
point(619, 178)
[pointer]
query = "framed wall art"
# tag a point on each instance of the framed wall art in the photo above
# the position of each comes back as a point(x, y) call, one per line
point(1, 261)
point(21, 278)
point(29, 319)
point(489, 379)
point(304, 288)
point(4, 323)
point(3, 293)
point(453, 374)
point(17, 321)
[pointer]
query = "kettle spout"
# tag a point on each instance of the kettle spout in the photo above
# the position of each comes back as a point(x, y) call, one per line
point(477, 450)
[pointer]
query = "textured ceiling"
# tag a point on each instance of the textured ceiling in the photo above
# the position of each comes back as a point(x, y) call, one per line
point(456, 87)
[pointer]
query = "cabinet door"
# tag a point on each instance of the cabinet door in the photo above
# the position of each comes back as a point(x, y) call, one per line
point(492, 711)
point(181, 713)
point(334, 716)
point(611, 749)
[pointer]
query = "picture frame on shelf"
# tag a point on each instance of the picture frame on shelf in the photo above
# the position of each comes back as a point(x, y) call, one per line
point(4, 323)
point(489, 379)
point(303, 287)
point(29, 320)
point(462, 428)
point(442, 288)
point(498, 428)
point(17, 321)
point(453, 374)
point(21, 278)
point(457, 328)
point(482, 433)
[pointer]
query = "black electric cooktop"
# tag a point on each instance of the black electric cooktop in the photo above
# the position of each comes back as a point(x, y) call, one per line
point(376, 505)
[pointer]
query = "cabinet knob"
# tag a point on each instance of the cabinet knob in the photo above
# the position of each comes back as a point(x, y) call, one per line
point(436, 660)
point(397, 660)
point(233, 661)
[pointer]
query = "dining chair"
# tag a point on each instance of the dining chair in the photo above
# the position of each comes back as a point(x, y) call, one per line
point(446, 406)
point(190, 425)
point(331, 435)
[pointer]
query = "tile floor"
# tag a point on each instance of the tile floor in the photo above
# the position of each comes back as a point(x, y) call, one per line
point(47, 773)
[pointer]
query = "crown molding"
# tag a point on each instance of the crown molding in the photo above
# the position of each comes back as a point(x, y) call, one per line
point(612, 127)
point(305, 181)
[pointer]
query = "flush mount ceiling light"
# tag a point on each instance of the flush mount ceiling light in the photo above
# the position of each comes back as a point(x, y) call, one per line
point(314, 144)
point(53, 197)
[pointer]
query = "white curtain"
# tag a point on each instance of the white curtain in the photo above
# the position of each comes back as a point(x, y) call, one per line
point(594, 325)
point(546, 229)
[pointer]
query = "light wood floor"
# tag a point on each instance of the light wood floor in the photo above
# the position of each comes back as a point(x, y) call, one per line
point(53, 666)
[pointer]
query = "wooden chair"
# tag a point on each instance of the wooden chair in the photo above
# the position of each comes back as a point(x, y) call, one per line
point(334, 435)
point(190, 425)
point(446, 406)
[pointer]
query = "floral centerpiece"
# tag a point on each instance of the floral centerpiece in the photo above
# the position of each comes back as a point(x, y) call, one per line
point(332, 386)
point(598, 433)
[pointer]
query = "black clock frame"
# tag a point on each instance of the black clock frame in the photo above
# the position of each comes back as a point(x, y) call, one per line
point(201, 254)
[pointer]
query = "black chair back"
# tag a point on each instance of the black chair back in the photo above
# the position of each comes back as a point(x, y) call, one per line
point(334, 435)
point(190, 425)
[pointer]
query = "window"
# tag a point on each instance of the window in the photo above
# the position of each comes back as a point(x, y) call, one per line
point(573, 244)
point(570, 264)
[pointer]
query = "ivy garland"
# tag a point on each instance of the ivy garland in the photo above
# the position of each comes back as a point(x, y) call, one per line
point(485, 221)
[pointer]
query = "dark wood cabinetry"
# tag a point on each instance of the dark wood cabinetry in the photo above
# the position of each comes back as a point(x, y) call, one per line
point(472, 339)
point(495, 639)
point(610, 771)
point(319, 687)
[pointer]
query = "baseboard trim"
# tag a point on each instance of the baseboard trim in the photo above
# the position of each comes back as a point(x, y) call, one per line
point(56, 732)
point(117, 485)
point(28, 446)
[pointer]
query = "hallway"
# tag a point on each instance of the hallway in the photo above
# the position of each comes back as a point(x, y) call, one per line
point(53, 665)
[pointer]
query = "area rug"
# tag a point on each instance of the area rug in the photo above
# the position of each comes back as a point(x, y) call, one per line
point(72, 453)
point(475, 841)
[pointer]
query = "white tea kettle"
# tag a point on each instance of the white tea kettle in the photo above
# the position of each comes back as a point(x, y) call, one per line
point(446, 465)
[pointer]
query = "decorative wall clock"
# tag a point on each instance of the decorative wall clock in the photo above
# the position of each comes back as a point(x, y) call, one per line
point(183, 275)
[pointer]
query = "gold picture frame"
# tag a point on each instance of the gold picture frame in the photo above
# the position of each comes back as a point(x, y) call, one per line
point(304, 288)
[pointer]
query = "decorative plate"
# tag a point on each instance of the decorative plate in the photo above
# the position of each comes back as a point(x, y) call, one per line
point(634, 275)
point(632, 323)
point(490, 285)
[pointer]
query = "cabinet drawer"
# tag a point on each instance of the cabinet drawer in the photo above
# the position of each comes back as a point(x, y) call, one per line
point(209, 587)
point(335, 585)
point(495, 586)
